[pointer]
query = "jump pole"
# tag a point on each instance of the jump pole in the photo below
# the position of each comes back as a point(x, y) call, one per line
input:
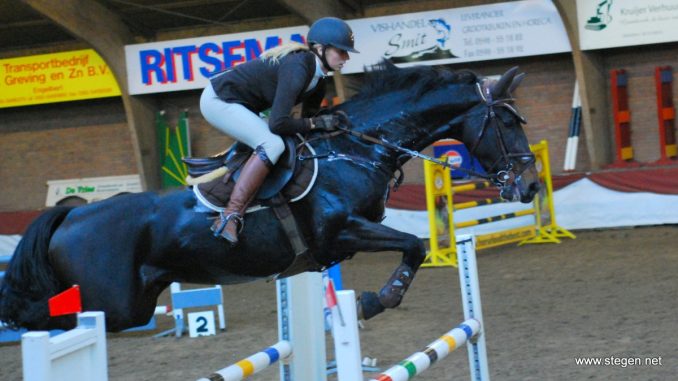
point(470, 331)
point(439, 349)
point(253, 364)
point(470, 298)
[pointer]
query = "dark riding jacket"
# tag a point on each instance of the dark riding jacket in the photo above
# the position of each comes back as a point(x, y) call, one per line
point(263, 84)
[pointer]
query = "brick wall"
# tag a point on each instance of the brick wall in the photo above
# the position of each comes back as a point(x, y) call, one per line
point(30, 159)
point(61, 141)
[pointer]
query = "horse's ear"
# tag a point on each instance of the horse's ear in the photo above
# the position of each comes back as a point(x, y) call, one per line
point(502, 85)
point(516, 82)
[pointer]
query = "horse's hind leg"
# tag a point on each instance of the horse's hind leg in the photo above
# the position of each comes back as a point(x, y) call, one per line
point(127, 303)
point(119, 288)
point(364, 235)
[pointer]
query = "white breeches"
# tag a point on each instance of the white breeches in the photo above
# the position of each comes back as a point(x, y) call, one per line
point(241, 124)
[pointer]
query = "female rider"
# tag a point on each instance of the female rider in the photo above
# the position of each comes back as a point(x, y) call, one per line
point(279, 79)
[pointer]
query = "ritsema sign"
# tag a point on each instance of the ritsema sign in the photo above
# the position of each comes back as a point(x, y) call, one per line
point(187, 64)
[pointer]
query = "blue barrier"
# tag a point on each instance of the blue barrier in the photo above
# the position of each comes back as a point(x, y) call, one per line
point(199, 297)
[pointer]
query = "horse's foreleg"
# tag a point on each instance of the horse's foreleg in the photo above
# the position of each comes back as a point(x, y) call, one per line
point(364, 235)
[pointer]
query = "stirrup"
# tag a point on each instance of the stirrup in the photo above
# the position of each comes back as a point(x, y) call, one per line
point(238, 220)
point(218, 229)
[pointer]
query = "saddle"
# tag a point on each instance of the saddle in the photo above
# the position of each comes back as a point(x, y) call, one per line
point(215, 176)
point(213, 179)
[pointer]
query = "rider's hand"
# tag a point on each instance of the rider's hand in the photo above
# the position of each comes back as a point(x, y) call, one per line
point(329, 122)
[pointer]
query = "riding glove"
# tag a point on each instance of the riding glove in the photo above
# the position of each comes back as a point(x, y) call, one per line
point(329, 122)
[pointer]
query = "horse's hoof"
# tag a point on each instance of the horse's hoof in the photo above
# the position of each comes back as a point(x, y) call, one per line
point(369, 305)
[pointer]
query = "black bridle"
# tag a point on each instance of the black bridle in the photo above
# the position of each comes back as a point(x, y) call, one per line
point(503, 177)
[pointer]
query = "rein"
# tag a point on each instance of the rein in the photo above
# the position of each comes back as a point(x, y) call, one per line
point(502, 178)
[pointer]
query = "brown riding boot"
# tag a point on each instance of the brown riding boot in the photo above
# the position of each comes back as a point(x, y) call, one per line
point(252, 175)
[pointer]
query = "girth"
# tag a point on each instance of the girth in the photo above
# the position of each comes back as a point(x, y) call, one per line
point(303, 259)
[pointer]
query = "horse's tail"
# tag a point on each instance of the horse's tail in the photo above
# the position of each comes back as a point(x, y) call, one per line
point(29, 279)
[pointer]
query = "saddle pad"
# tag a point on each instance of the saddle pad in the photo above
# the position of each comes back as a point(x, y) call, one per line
point(302, 181)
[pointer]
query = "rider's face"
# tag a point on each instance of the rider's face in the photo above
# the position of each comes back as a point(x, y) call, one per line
point(336, 58)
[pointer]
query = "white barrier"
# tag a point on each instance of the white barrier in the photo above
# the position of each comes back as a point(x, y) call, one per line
point(300, 321)
point(75, 355)
point(346, 337)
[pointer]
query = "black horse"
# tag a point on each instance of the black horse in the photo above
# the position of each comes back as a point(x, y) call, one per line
point(124, 251)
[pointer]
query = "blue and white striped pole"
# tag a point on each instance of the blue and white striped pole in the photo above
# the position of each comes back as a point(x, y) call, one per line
point(420, 361)
point(253, 364)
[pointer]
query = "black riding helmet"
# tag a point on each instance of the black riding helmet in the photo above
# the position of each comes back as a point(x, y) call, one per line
point(331, 31)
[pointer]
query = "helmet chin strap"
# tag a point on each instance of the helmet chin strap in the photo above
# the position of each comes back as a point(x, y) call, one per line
point(323, 58)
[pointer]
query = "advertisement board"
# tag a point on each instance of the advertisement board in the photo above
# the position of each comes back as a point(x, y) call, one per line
point(55, 77)
point(188, 63)
point(478, 33)
point(91, 189)
point(468, 34)
point(615, 23)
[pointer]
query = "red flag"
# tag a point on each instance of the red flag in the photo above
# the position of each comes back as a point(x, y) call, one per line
point(331, 298)
point(68, 302)
point(330, 295)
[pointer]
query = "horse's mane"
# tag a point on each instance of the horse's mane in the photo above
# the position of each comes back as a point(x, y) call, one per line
point(385, 77)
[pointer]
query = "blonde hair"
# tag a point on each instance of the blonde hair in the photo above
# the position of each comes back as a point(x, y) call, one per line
point(280, 51)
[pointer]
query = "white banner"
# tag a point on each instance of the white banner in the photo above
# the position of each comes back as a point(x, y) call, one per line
point(91, 189)
point(486, 32)
point(612, 23)
point(187, 64)
point(479, 33)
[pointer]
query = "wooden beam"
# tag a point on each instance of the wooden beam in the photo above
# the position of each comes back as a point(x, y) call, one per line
point(313, 10)
point(227, 28)
point(592, 77)
point(107, 34)
point(139, 7)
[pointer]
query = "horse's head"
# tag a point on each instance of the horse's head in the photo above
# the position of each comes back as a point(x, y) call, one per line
point(492, 131)
point(413, 107)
